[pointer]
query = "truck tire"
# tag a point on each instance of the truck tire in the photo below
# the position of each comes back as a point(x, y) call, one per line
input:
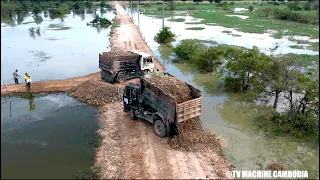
point(120, 78)
point(159, 128)
point(133, 114)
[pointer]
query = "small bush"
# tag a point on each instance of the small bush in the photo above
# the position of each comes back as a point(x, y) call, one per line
point(165, 35)
point(146, 5)
point(188, 49)
point(232, 84)
point(267, 11)
point(276, 3)
point(296, 124)
point(251, 8)
point(308, 6)
point(286, 14)
point(231, 3)
point(294, 6)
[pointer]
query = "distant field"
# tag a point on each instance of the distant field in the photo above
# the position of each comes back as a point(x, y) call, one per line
point(256, 22)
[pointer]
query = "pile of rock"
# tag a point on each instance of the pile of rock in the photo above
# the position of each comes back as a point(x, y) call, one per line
point(96, 93)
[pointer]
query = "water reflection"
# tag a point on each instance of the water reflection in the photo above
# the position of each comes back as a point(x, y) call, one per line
point(37, 19)
point(32, 105)
point(61, 36)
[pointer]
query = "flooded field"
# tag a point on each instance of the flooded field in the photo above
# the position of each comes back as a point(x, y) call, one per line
point(216, 34)
point(52, 136)
point(61, 48)
point(245, 145)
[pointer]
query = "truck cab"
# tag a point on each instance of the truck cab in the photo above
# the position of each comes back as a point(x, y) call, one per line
point(146, 62)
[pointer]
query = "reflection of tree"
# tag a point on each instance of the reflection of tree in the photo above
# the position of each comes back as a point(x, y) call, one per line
point(37, 19)
point(32, 105)
point(98, 29)
point(102, 11)
point(165, 51)
point(238, 112)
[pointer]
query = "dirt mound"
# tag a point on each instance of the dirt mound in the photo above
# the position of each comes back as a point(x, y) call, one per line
point(191, 137)
point(117, 52)
point(172, 86)
point(96, 93)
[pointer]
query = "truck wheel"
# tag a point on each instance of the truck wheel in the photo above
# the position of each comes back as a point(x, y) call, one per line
point(159, 128)
point(133, 114)
point(120, 78)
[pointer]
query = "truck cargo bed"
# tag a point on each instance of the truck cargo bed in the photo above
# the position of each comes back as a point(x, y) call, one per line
point(175, 112)
point(116, 63)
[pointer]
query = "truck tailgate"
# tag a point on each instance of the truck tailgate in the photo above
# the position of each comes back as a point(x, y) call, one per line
point(188, 109)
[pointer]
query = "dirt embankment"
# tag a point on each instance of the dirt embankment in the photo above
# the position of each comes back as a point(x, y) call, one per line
point(130, 149)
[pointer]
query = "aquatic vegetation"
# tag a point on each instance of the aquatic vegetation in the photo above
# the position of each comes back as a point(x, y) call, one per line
point(100, 21)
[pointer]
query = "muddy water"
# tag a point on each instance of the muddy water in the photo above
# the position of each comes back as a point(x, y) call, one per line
point(49, 137)
point(64, 47)
point(245, 146)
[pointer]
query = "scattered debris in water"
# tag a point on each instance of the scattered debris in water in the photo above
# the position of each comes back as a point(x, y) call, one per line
point(41, 55)
point(58, 27)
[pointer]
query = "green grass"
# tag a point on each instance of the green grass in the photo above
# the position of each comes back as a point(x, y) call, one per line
point(195, 28)
point(193, 23)
point(177, 20)
point(304, 60)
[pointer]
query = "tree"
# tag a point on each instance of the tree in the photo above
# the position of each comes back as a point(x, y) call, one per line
point(211, 1)
point(209, 60)
point(276, 77)
point(251, 8)
point(243, 67)
point(171, 5)
point(36, 10)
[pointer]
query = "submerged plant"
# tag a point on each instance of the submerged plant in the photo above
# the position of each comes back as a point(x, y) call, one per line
point(165, 36)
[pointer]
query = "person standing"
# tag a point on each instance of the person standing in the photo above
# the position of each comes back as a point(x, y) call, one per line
point(15, 77)
point(27, 79)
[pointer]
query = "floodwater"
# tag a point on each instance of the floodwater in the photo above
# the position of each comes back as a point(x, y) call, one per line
point(234, 121)
point(49, 137)
point(65, 47)
point(216, 33)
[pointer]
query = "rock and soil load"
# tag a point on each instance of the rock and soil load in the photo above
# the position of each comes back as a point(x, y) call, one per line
point(172, 86)
point(96, 93)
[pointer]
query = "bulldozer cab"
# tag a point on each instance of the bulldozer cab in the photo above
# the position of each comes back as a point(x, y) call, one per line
point(131, 96)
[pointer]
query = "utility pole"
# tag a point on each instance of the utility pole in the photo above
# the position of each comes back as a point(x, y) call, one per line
point(162, 14)
point(138, 15)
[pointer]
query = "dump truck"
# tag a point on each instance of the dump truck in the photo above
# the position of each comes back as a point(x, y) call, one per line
point(147, 101)
point(119, 68)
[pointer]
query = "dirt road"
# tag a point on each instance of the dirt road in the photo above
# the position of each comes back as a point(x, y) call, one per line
point(130, 149)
